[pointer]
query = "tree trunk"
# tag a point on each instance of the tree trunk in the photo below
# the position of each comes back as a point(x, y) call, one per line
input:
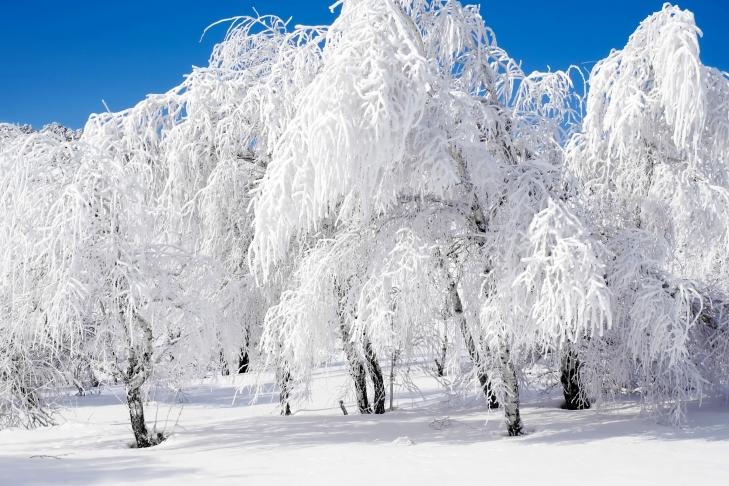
point(393, 363)
point(441, 363)
point(243, 358)
point(356, 371)
point(284, 382)
point(575, 397)
point(139, 369)
point(378, 381)
point(511, 394)
point(473, 352)
point(224, 370)
point(243, 362)
point(134, 383)
point(136, 416)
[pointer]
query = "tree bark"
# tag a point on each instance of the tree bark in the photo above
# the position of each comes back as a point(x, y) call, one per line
point(356, 370)
point(473, 352)
point(378, 381)
point(142, 437)
point(441, 363)
point(575, 397)
point(284, 382)
point(511, 394)
point(136, 416)
point(224, 369)
point(244, 360)
point(138, 370)
point(393, 363)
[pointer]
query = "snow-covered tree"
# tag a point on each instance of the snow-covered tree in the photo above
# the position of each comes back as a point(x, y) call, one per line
point(391, 188)
point(36, 349)
point(651, 166)
point(418, 122)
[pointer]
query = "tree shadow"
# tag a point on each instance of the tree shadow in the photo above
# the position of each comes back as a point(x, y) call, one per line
point(442, 422)
point(708, 422)
point(47, 469)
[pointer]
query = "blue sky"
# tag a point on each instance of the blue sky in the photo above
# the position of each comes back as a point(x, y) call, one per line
point(59, 59)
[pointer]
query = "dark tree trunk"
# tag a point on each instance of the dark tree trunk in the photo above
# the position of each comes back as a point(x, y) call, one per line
point(284, 382)
point(488, 392)
point(357, 368)
point(243, 362)
point(378, 381)
point(359, 376)
point(243, 358)
point(575, 397)
point(473, 352)
point(138, 370)
point(224, 370)
point(136, 416)
point(142, 437)
point(357, 371)
point(511, 395)
point(440, 363)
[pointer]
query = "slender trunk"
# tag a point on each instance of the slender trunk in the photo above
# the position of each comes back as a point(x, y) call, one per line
point(575, 397)
point(393, 363)
point(511, 394)
point(136, 416)
point(356, 370)
point(344, 409)
point(224, 369)
point(483, 378)
point(243, 358)
point(139, 369)
point(441, 363)
point(243, 362)
point(284, 382)
point(378, 381)
point(142, 437)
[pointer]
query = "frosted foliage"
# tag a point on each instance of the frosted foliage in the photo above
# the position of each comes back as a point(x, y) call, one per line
point(425, 171)
point(394, 186)
point(301, 328)
point(654, 117)
point(398, 300)
point(205, 143)
point(28, 192)
point(560, 287)
point(339, 282)
point(33, 167)
point(650, 165)
point(342, 152)
point(131, 238)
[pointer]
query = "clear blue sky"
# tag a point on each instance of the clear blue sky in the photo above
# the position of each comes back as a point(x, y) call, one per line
point(60, 58)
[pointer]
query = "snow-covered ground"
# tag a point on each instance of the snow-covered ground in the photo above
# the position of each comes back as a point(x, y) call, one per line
point(430, 439)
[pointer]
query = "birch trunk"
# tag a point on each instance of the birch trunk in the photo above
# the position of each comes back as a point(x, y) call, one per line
point(441, 363)
point(138, 370)
point(378, 381)
point(244, 360)
point(473, 352)
point(575, 397)
point(284, 383)
point(356, 370)
point(511, 394)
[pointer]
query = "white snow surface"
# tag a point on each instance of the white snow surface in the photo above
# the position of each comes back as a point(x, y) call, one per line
point(430, 439)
